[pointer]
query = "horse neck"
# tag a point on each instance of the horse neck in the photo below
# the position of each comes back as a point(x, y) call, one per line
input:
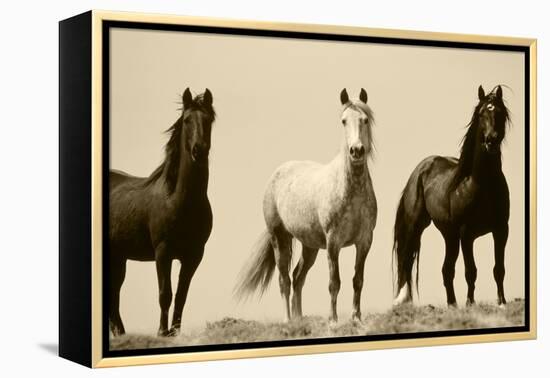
point(352, 177)
point(192, 180)
point(485, 167)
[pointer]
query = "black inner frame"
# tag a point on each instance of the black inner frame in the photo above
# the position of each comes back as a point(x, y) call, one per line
point(107, 25)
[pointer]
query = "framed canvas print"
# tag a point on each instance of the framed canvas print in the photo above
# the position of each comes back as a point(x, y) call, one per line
point(234, 189)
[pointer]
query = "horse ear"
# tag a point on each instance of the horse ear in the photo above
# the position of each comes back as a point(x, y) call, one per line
point(187, 98)
point(207, 99)
point(480, 93)
point(344, 98)
point(363, 96)
point(499, 92)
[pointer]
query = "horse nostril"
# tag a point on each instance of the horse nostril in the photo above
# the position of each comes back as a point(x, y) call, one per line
point(490, 141)
point(199, 152)
point(357, 151)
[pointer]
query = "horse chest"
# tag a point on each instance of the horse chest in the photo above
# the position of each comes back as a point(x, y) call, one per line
point(351, 218)
point(486, 211)
point(182, 226)
point(480, 208)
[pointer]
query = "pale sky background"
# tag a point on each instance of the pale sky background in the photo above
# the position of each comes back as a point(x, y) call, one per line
point(278, 100)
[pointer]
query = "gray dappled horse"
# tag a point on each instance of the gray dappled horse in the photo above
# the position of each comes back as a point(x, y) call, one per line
point(324, 207)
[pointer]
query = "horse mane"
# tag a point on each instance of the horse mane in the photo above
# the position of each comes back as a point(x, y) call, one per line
point(172, 148)
point(468, 144)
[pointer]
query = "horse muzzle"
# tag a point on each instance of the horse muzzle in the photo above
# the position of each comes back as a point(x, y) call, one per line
point(199, 153)
point(357, 154)
point(491, 147)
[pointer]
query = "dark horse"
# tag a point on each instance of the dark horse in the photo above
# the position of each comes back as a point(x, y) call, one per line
point(465, 198)
point(166, 216)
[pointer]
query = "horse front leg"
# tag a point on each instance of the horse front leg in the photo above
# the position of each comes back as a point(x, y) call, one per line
point(500, 238)
point(470, 269)
point(452, 248)
point(164, 268)
point(333, 253)
point(187, 270)
point(362, 250)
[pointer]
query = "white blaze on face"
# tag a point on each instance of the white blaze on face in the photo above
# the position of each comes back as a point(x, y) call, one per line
point(355, 126)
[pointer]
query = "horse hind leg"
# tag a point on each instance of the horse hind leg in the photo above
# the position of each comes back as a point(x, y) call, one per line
point(309, 255)
point(282, 247)
point(408, 234)
point(117, 273)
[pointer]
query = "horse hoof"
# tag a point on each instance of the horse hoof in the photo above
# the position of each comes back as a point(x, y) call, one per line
point(163, 333)
point(173, 332)
point(117, 332)
point(402, 300)
point(399, 303)
point(356, 318)
point(470, 303)
point(295, 314)
point(452, 306)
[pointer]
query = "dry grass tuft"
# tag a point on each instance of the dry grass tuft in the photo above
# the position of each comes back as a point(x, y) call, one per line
point(403, 319)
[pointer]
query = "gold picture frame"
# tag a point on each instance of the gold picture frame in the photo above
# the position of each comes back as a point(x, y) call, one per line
point(82, 88)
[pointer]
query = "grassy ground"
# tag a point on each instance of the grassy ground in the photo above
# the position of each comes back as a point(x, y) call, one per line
point(403, 319)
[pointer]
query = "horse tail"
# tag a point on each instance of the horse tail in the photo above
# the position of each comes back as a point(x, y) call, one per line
point(257, 274)
point(410, 221)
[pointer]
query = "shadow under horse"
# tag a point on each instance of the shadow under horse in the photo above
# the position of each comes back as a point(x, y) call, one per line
point(166, 216)
point(465, 198)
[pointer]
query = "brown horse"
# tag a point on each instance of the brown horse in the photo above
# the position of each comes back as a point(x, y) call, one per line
point(166, 216)
point(465, 198)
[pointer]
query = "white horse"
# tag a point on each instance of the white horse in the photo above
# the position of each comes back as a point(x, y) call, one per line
point(324, 207)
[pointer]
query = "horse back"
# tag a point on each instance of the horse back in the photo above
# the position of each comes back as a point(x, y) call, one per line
point(290, 201)
point(117, 177)
point(309, 200)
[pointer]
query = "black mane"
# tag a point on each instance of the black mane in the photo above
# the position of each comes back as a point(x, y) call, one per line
point(467, 151)
point(173, 146)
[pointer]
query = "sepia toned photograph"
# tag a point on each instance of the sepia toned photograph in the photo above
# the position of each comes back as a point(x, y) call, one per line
point(281, 189)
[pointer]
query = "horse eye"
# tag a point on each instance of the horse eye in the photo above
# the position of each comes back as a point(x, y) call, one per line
point(343, 122)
